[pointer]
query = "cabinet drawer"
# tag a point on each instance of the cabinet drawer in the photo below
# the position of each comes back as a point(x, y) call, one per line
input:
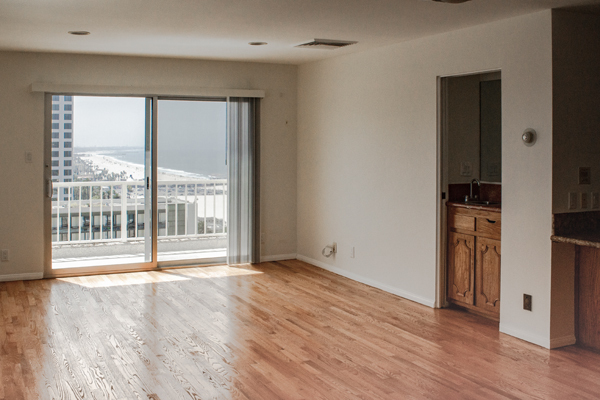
point(489, 226)
point(463, 222)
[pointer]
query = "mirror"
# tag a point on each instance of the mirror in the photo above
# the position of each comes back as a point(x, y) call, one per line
point(473, 125)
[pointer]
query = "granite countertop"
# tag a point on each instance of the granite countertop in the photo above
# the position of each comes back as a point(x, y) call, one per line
point(491, 207)
point(578, 228)
point(582, 239)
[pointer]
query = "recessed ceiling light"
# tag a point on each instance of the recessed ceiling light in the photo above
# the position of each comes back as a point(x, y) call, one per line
point(79, 33)
point(257, 43)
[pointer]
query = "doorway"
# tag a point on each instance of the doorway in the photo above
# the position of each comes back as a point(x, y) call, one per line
point(469, 168)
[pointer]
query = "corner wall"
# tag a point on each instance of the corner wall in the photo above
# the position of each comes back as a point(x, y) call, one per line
point(368, 172)
point(22, 129)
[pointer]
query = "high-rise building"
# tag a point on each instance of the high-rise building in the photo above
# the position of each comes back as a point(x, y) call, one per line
point(62, 140)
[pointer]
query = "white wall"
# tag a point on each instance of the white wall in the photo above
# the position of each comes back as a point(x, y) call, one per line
point(22, 123)
point(367, 162)
point(576, 91)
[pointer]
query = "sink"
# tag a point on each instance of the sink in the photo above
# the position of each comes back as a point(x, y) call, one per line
point(481, 203)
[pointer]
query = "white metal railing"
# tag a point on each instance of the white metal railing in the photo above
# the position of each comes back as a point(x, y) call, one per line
point(115, 211)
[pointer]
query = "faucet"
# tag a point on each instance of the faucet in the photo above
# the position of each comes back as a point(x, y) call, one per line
point(471, 187)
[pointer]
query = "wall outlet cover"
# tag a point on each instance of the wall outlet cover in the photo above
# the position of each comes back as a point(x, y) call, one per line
point(573, 201)
point(527, 302)
point(595, 200)
point(584, 200)
point(466, 169)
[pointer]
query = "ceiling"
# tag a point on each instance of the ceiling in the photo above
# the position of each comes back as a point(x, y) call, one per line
point(221, 29)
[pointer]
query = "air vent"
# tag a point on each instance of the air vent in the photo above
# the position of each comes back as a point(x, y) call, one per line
point(326, 44)
point(451, 1)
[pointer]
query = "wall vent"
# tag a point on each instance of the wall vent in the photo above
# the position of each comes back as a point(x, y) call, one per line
point(326, 44)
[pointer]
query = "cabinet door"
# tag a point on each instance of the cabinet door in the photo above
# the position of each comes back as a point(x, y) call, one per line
point(487, 272)
point(461, 258)
point(588, 299)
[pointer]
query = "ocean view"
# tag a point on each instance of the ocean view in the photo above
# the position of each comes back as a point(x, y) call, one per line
point(170, 164)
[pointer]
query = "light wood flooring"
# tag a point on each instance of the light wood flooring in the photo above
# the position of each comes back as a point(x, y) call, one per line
point(280, 330)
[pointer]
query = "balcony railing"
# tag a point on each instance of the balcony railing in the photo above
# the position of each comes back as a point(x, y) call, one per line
point(115, 211)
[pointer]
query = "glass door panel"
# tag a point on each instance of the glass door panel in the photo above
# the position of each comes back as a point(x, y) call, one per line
point(101, 203)
point(192, 180)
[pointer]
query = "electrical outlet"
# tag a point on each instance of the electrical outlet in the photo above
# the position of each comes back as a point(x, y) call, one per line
point(584, 200)
point(4, 256)
point(466, 169)
point(595, 200)
point(352, 254)
point(28, 157)
point(262, 238)
point(573, 201)
point(527, 300)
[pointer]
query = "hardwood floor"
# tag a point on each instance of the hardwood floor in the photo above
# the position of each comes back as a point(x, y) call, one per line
point(280, 330)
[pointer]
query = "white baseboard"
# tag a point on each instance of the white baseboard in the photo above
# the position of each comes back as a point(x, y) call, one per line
point(562, 341)
point(22, 277)
point(368, 281)
point(278, 257)
point(526, 336)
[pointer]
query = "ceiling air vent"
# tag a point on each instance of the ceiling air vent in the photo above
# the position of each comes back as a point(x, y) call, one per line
point(451, 1)
point(326, 44)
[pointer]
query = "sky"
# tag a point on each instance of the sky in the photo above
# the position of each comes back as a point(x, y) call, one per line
point(109, 121)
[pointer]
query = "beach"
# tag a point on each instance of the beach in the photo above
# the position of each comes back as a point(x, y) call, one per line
point(136, 171)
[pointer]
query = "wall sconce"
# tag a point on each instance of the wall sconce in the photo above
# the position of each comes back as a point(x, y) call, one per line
point(529, 137)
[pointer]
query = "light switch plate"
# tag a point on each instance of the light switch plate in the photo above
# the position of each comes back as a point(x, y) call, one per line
point(595, 200)
point(584, 200)
point(585, 175)
point(573, 201)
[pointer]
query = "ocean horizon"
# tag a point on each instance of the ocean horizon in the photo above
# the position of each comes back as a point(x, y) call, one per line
point(168, 163)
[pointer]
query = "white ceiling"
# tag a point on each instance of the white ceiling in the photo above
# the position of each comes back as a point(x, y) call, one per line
point(221, 29)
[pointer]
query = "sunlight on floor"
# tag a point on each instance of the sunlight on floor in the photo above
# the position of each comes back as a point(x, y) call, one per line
point(169, 275)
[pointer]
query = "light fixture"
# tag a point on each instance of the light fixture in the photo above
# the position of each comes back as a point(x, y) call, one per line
point(79, 33)
point(529, 137)
point(257, 43)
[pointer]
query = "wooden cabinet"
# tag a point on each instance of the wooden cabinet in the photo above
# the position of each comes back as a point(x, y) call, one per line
point(461, 263)
point(587, 297)
point(487, 271)
point(474, 254)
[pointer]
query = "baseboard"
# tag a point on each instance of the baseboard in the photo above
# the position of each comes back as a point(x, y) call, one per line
point(368, 281)
point(278, 257)
point(562, 341)
point(526, 336)
point(22, 277)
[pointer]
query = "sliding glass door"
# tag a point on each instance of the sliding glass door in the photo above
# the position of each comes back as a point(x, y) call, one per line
point(101, 203)
point(121, 168)
point(192, 180)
